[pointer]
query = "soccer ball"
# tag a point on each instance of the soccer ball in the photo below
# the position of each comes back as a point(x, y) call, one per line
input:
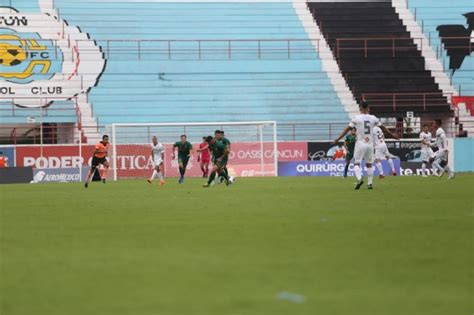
point(11, 55)
point(231, 179)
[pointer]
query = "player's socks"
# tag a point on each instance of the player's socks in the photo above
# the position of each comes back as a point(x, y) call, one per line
point(225, 176)
point(358, 172)
point(392, 167)
point(379, 168)
point(423, 169)
point(450, 172)
point(153, 175)
point(370, 175)
point(211, 178)
point(104, 173)
point(346, 169)
point(438, 167)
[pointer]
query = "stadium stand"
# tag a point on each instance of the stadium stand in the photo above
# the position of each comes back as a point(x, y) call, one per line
point(378, 58)
point(229, 61)
point(450, 19)
point(191, 62)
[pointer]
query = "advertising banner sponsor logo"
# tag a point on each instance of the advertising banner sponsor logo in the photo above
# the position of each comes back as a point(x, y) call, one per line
point(9, 154)
point(406, 152)
point(325, 168)
point(134, 160)
point(62, 175)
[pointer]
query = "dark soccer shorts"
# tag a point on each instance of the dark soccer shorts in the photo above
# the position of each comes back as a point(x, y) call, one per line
point(96, 161)
point(222, 163)
point(184, 160)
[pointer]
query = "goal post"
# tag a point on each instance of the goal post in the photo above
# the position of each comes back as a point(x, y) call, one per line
point(253, 149)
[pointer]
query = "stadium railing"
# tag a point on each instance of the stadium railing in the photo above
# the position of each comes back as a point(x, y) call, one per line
point(31, 133)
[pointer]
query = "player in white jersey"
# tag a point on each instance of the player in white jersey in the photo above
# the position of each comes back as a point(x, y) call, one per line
point(381, 151)
point(158, 157)
point(426, 151)
point(440, 159)
point(364, 147)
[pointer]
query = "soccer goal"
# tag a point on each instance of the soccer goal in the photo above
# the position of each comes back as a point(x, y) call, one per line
point(253, 150)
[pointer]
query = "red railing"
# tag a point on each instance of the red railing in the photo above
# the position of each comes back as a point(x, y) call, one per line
point(167, 48)
point(42, 110)
point(395, 100)
point(393, 46)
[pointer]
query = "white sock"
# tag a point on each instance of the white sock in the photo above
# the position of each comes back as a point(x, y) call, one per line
point(357, 172)
point(370, 175)
point(423, 168)
point(392, 166)
point(437, 166)
point(161, 175)
point(448, 169)
point(153, 175)
point(379, 167)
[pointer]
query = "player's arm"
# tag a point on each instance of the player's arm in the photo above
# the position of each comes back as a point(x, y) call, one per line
point(388, 132)
point(163, 154)
point(203, 148)
point(173, 156)
point(191, 151)
point(444, 139)
point(423, 141)
point(346, 130)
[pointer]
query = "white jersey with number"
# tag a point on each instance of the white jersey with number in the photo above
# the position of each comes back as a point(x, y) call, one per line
point(379, 137)
point(364, 147)
point(365, 123)
point(425, 137)
point(442, 144)
point(381, 150)
point(426, 151)
point(157, 150)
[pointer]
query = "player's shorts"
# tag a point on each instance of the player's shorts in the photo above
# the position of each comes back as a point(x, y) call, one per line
point(157, 162)
point(381, 151)
point(441, 155)
point(184, 160)
point(206, 160)
point(97, 161)
point(222, 163)
point(349, 156)
point(365, 151)
point(426, 154)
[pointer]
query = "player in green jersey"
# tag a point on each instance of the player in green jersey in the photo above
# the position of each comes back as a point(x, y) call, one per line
point(220, 156)
point(349, 143)
point(220, 135)
point(185, 150)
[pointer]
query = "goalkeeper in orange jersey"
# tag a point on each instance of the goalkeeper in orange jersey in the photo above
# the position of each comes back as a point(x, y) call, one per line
point(99, 157)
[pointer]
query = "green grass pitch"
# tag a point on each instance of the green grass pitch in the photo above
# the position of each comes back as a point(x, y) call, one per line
point(130, 248)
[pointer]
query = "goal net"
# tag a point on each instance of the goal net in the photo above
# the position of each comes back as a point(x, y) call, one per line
point(253, 149)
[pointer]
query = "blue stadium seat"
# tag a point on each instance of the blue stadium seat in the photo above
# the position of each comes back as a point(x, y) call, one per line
point(180, 88)
point(431, 14)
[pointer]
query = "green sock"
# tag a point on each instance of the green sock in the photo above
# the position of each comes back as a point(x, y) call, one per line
point(211, 178)
point(224, 174)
